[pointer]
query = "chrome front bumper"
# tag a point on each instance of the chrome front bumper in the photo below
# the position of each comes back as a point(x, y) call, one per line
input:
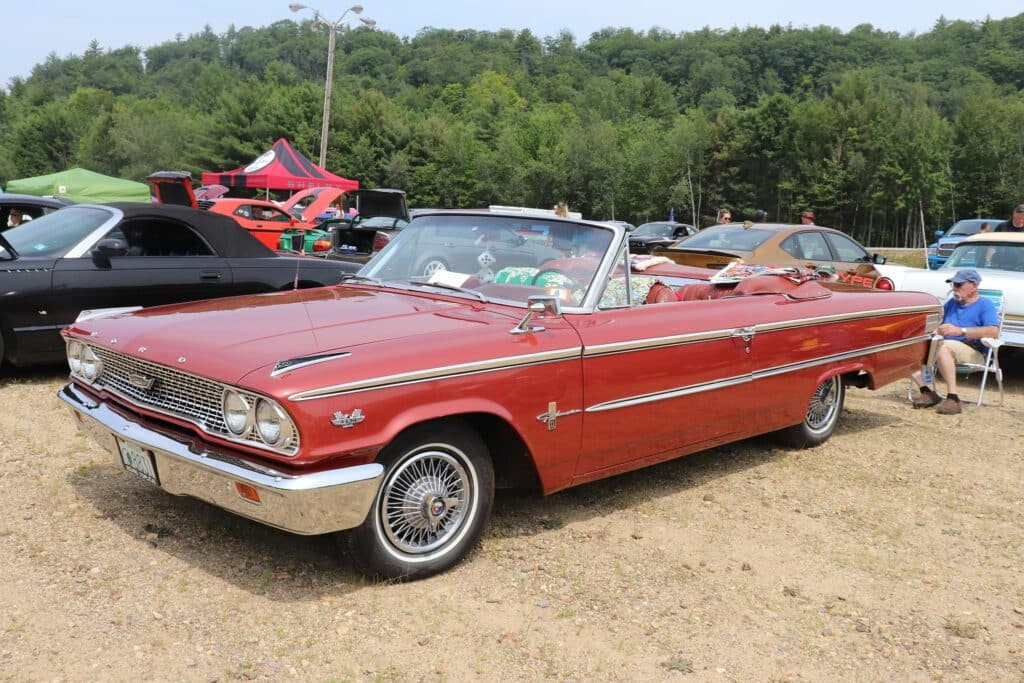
point(315, 503)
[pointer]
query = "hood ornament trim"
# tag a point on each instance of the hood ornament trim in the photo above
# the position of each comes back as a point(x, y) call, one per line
point(283, 366)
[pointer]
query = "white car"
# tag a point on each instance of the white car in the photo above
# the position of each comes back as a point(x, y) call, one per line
point(999, 259)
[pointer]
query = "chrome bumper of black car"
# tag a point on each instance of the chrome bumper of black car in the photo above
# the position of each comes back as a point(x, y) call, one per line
point(315, 503)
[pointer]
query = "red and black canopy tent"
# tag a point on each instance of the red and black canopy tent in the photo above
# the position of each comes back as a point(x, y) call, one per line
point(280, 168)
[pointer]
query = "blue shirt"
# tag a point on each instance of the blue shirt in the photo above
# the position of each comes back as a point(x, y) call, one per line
point(982, 313)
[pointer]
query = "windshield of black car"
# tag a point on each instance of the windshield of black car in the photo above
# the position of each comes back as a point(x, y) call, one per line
point(733, 237)
point(56, 233)
point(654, 230)
point(508, 258)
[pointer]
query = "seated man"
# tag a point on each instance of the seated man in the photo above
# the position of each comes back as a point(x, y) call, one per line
point(966, 318)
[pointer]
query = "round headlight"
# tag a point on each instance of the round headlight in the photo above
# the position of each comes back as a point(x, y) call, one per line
point(237, 412)
point(92, 366)
point(75, 356)
point(273, 424)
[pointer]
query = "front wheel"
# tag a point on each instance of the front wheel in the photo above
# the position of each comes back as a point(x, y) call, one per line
point(433, 504)
point(822, 416)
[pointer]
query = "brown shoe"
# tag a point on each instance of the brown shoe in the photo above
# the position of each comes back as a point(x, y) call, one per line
point(927, 399)
point(949, 407)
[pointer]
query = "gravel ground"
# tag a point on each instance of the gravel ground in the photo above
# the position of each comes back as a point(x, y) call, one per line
point(893, 552)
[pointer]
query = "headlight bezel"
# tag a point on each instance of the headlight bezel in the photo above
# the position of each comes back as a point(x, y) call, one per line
point(281, 431)
point(74, 356)
point(286, 439)
point(247, 414)
point(92, 364)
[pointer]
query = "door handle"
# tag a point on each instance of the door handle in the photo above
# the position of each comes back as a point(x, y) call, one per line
point(210, 275)
point(744, 333)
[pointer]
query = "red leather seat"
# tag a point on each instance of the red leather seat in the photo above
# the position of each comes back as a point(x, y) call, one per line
point(660, 293)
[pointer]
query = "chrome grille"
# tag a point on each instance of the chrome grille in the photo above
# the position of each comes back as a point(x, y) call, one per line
point(946, 250)
point(174, 392)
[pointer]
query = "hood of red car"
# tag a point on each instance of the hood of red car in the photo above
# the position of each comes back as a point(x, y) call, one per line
point(323, 197)
point(267, 329)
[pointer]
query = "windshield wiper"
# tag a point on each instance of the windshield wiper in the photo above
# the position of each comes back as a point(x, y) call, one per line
point(454, 288)
point(362, 278)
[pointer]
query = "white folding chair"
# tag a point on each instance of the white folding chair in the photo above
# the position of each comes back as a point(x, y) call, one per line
point(992, 345)
point(990, 364)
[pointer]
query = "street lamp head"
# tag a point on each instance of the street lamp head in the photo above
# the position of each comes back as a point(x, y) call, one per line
point(297, 7)
point(369, 23)
point(356, 9)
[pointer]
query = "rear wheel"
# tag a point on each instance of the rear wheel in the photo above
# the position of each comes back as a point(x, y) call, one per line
point(432, 506)
point(822, 416)
point(431, 266)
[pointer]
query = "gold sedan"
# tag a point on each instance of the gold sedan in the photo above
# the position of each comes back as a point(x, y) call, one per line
point(773, 244)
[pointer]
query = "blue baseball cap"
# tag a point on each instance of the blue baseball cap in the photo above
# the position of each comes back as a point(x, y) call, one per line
point(966, 275)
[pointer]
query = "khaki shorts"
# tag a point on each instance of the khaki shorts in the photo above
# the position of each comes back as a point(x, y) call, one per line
point(964, 353)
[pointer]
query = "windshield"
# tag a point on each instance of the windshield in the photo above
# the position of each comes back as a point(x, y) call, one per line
point(730, 237)
point(970, 227)
point(996, 256)
point(499, 257)
point(654, 230)
point(54, 234)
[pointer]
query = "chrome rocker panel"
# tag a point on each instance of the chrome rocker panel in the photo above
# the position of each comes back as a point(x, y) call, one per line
point(307, 504)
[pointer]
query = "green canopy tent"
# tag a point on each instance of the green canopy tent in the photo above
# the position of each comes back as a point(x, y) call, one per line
point(81, 185)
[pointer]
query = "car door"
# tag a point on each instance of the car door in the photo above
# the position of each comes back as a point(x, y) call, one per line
point(662, 379)
point(166, 262)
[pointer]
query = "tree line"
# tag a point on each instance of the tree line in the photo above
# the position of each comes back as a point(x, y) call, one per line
point(879, 133)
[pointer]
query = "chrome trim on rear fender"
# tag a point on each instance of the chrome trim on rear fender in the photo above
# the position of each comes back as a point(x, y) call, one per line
point(727, 382)
point(314, 503)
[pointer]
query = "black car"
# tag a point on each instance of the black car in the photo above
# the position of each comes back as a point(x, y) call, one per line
point(90, 256)
point(381, 213)
point(16, 208)
point(658, 234)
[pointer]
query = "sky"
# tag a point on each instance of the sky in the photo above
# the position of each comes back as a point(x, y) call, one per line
point(35, 29)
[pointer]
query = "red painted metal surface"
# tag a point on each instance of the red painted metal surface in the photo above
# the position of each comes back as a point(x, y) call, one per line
point(636, 385)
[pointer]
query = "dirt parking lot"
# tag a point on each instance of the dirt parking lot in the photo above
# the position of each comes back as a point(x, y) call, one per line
point(893, 552)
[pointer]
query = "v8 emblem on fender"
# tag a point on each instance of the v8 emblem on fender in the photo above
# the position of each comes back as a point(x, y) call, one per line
point(346, 421)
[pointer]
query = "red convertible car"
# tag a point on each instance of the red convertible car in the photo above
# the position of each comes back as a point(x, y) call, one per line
point(389, 407)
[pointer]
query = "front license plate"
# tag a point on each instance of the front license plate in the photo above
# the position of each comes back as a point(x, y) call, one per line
point(138, 460)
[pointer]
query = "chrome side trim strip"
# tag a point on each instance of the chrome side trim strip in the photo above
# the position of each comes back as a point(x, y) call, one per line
point(841, 317)
point(711, 335)
point(743, 379)
point(671, 393)
point(846, 355)
point(445, 372)
point(656, 342)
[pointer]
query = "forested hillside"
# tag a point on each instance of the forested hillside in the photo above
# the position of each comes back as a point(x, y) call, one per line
point(872, 130)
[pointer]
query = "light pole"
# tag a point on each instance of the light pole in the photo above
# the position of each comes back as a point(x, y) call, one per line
point(332, 27)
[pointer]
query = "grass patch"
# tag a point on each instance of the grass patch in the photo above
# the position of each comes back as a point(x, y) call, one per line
point(679, 664)
point(961, 629)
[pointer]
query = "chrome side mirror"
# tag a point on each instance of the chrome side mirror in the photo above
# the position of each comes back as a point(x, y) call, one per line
point(543, 306)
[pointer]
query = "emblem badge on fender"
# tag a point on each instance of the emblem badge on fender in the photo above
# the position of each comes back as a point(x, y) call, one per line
point(141, 381)
point(346, 421)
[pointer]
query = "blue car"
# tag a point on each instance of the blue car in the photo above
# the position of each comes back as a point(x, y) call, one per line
point(939, 251)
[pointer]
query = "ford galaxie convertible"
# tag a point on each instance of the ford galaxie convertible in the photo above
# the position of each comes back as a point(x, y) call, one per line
point(388, 408)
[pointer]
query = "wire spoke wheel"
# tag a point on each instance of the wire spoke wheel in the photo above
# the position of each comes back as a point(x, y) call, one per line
point(432, 505)
point(825, 403)
point(821, 418)
point(425, 502)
